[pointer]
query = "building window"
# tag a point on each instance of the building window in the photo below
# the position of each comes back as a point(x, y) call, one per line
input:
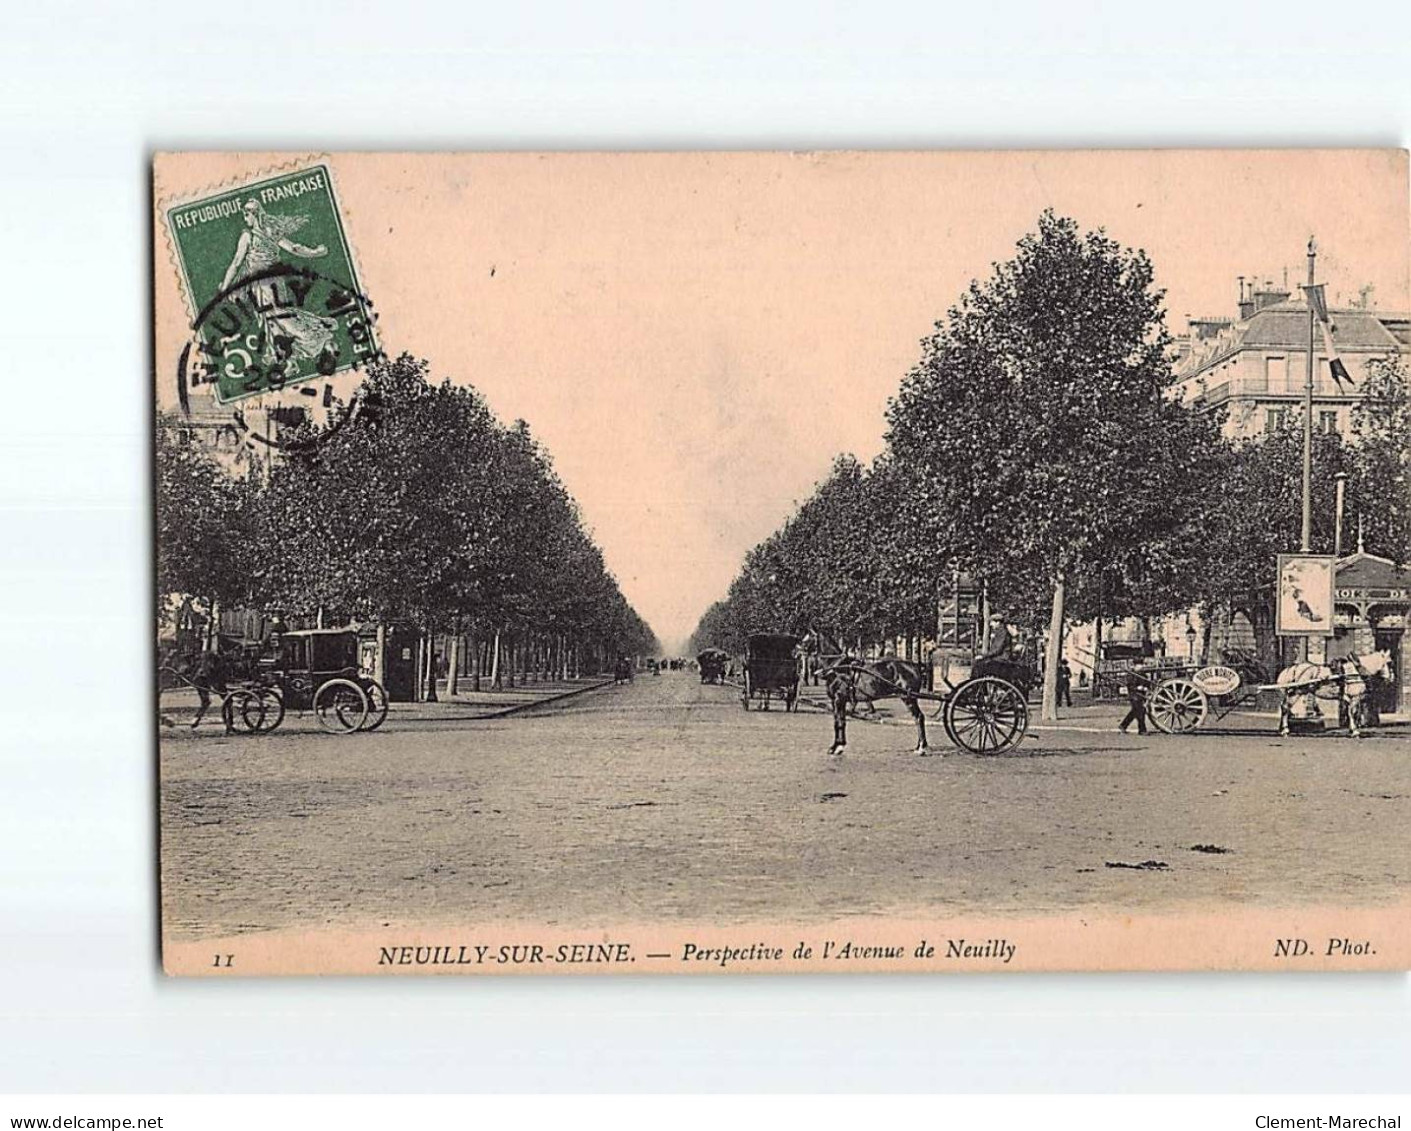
point(1328, 422)
point(1276, 374)
point(1274, 419)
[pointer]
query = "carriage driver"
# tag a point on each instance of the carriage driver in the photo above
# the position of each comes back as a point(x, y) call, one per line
point(1001, 640)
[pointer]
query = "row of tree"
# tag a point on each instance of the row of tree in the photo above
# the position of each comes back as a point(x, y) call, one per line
point(421, 510)
point(1037, 446)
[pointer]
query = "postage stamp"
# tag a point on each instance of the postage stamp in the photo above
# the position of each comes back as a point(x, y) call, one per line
point(271, 286)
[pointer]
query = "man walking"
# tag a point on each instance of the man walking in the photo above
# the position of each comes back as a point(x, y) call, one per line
point(1136, 703)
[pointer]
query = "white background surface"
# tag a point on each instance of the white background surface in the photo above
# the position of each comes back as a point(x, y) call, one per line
point(87, 91)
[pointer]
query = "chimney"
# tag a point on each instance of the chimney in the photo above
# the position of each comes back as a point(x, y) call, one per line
point(1246, 306)
point(1261, 296)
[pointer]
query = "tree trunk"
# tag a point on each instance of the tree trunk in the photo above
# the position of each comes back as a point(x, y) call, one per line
point(1054, 652)
point(474, 663)
point(1097, 652)
point(379, 659)
point(431, 665)
point(454, 660)
point(495, 678)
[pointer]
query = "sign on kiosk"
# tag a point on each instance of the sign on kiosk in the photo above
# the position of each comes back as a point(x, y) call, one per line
point(1305, 606)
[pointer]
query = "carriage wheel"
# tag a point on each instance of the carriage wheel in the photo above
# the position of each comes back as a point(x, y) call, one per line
point(340, 706)
point(261, 710)
point(986, 715)
point(274, 707)
point(376, 704)
point(944, 712)
point(232, 709)
point(1177, 706)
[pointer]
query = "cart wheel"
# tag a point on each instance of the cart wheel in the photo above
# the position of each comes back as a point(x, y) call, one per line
point(232, 710)
point(986, 715)
point(1177, 706)
point(271, 710)
point(258, 710)
point(376, 704)
point(944, 715)
point(340, 706)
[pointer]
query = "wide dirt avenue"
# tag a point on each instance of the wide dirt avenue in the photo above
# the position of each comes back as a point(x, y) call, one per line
point(663, 800)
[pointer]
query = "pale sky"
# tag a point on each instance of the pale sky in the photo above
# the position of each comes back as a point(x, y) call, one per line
point(694, 337)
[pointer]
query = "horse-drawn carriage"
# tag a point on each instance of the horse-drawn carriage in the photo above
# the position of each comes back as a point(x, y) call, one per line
point(317, 670)
point(985, 712)
point(1185, 702)
point(311, 670)
point(771, 668)
point(711, 663)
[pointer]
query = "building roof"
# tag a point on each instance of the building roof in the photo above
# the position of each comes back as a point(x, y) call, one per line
point(1369, 571)
point(1399, 326)
point(1284, 326)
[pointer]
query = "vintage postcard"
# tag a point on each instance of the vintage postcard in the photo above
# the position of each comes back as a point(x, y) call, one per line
point(698, 563)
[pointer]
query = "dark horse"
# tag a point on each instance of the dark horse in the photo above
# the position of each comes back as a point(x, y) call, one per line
point(206, 673)
point(850, 680)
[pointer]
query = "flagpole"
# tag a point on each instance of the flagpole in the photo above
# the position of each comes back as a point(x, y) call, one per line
point(1306, 541)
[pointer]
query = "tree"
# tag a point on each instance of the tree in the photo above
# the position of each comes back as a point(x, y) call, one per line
point(424, 510)
point(203, 522)
point(1044, 450)
point(1381, 491)
point(387, 519)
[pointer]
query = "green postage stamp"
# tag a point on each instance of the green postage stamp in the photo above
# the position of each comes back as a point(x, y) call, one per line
point(273, 292)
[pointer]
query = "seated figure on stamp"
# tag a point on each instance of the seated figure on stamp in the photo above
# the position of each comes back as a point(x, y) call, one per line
point(291, 333)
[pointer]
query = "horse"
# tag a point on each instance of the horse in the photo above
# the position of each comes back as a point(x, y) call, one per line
point(204, 672)
point(849, 680)
point(1349, 674)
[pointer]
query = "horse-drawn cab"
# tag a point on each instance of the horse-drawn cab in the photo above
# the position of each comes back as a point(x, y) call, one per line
point(771, 667)
point(711, 663)
point(317, 669)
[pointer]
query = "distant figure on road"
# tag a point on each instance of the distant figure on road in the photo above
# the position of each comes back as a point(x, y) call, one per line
point(1136, 703)
point(1065, 684)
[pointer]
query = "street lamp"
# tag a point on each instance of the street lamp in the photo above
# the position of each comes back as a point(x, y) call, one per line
point(1190, 641)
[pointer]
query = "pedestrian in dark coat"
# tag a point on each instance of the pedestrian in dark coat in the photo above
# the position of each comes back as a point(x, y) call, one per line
point(1136, 703)
point(1065, 684)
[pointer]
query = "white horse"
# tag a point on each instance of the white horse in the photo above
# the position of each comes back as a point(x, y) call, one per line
point(1343, 682)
